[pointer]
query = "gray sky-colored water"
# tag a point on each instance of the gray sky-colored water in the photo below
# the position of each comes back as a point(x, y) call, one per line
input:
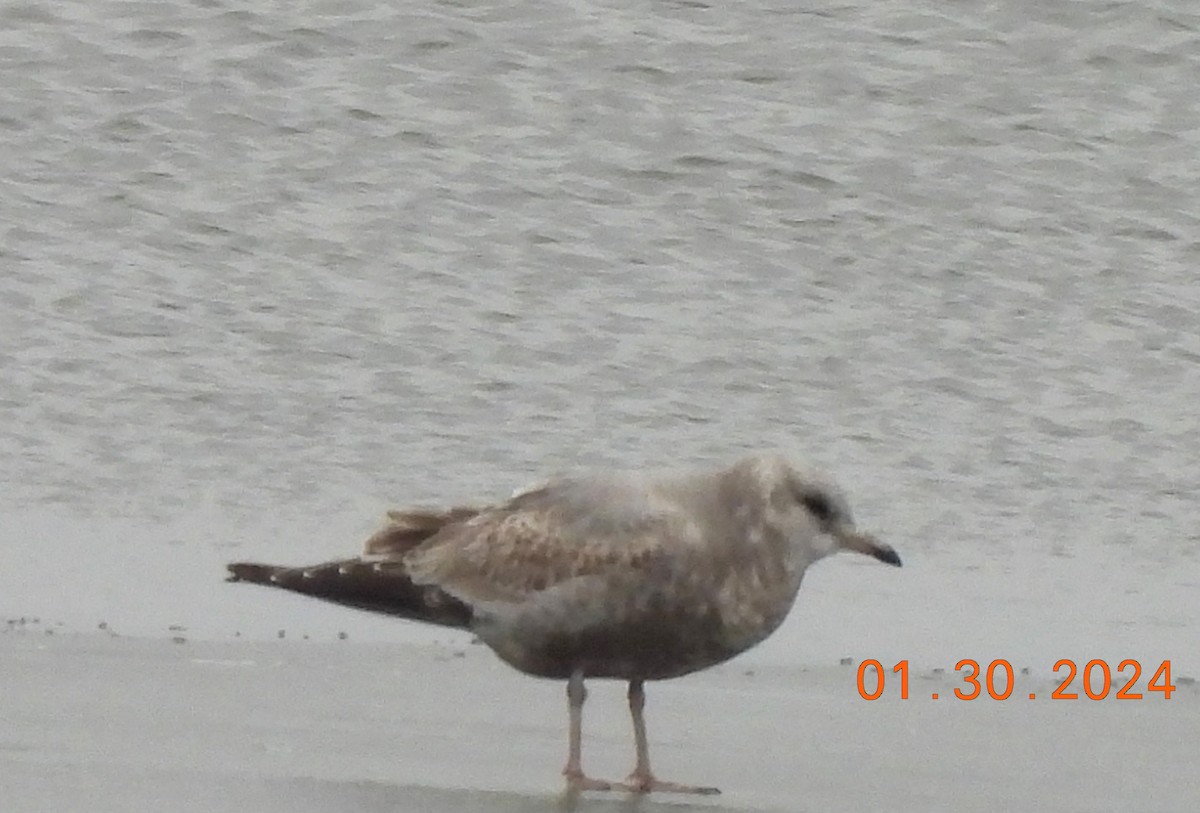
point(266, 272)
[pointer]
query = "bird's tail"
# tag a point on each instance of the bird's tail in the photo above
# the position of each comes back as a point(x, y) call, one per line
point(377, 581)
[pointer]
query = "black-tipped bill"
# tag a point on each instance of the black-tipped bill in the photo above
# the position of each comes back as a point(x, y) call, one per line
point(887, 555)
point(868, 546)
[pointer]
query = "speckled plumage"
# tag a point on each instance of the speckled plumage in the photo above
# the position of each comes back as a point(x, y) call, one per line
point(609, 574)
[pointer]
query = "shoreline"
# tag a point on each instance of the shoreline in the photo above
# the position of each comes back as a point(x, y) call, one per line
point(102, 722)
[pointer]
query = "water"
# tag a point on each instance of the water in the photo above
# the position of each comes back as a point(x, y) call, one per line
point(266, 272)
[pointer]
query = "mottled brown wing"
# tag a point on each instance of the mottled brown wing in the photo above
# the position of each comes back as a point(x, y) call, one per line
point(545, 537)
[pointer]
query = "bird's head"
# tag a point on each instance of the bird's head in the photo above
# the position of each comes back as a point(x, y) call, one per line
point(814, 514)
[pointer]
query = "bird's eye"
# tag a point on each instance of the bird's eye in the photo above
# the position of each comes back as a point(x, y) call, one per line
point(818, 505)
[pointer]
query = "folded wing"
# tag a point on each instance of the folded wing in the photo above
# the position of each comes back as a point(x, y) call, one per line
point(545, 537)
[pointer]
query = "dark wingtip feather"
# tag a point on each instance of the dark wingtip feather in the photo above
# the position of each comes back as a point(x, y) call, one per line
point(375, 586)
point(249, 572)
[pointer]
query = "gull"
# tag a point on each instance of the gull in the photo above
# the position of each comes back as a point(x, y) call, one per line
point(622, 575)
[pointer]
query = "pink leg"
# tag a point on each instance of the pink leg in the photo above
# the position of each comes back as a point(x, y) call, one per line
point(642, 779)
point(576, 779)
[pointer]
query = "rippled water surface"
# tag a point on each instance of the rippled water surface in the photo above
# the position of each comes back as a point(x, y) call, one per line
point(265, 271)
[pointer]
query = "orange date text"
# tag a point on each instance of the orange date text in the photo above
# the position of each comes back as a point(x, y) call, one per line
point(997, 680)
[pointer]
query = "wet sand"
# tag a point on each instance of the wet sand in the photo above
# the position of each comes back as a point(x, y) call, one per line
point(106, 723)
